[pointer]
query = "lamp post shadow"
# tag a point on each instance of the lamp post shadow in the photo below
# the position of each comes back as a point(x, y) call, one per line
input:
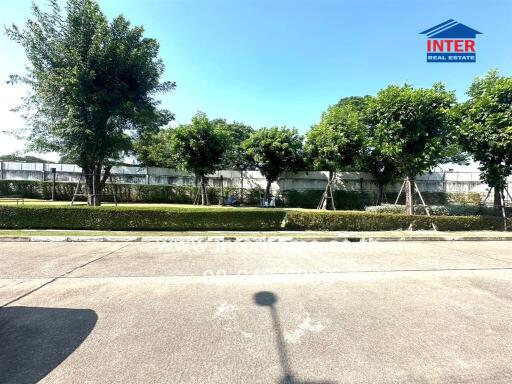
point(269, 299)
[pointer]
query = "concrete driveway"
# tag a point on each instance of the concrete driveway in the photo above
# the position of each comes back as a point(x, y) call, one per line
point(413, 312)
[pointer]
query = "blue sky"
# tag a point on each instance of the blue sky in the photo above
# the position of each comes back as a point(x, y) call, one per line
point(283, 62)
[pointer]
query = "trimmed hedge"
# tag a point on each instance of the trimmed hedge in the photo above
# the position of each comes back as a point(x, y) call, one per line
point(355, 200)
point(127, 218)
point(431, 198)
point(255, 219)
point(465, 198)
point(439, 210)
point(366, 221)
point(344, 200)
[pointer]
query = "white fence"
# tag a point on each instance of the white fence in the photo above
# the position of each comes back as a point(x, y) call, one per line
point(462, 182)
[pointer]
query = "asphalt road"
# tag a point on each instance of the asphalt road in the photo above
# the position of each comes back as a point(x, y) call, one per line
point(409, 312)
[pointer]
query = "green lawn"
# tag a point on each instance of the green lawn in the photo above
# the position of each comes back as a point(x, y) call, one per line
point(43, 203)
point(39, 202)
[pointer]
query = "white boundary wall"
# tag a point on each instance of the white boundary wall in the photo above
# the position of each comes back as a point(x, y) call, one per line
point(463, 182)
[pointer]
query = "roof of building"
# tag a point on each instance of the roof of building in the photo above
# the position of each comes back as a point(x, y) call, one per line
point(450, 29)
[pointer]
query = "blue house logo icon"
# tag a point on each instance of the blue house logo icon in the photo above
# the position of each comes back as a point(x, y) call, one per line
point(451, 42)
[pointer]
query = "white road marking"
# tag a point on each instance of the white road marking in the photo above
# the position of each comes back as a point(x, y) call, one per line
point(227, 315)
point(307, 325)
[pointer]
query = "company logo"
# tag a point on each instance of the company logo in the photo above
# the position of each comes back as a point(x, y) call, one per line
point(451, 42)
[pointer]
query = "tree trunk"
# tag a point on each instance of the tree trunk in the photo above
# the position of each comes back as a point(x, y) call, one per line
point(330, 191)
point(203, 198)
point(328, 195)
point(409, 195)
point(95, 183)
point(380, 195)
point(93, 187)
point(241, 186)
point(106, 175)
point(267, 191)
point(498, 193)
point(499, 204)
point(204, 192)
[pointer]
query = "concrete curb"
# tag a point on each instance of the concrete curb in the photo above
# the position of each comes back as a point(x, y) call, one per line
point(242, 239)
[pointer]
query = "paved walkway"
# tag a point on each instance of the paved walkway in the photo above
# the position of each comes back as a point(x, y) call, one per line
point(405, 312)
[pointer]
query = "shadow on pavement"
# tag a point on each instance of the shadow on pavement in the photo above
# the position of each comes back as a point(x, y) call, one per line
point(33, 340)
point(269, 299)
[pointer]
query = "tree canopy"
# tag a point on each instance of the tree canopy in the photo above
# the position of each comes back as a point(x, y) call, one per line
point(413, 129)
point(485, 128)
point(199, 147)
point(26, 159)
point(236, 157)
point(153, 149)
point(92, 84)
point(373, 158)
point(413, 125)
point(336, 141)
point(275, 150)
point(358, 102)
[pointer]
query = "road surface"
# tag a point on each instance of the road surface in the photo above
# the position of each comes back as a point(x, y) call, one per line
point(397, 312)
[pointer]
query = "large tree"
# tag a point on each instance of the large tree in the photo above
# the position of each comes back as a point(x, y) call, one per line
point(199, 148)
point(236, 157)
point(153, 149)
point(92, 86)
point(373, 158)
point(413, 129)
point(334, 143)
point(357, 102)
point(379, 164)
point(485, 129)
point(25, 159)
point(275, 150)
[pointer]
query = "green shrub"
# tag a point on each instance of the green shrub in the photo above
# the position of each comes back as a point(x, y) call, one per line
point(458, 210)
point(179, 194)
point(438, 210)
point(367, 221)
point(344, 221)
point(126, 193)
point(431, 198)
point(344, 200)
point(26, 188)
point(184, 194)
point(386, 208)
point(182, 219)
point(127, 218)
point(440, 198)
point(352, 200)
point(469, 198)
point(468, 223)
